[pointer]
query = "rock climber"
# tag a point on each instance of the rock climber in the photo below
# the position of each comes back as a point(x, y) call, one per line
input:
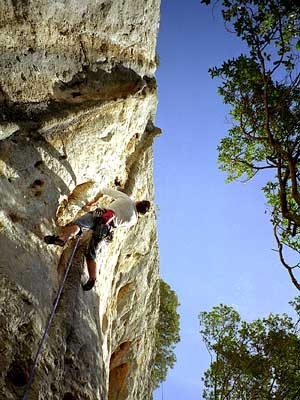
point(122, 212)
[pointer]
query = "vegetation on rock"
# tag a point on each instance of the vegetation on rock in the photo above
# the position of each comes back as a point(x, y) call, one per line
point(167, 333)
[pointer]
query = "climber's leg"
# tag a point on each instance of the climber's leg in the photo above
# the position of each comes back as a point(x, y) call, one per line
point(91, 261)
point(71, 230)
point(67, 233)
point(92, 269)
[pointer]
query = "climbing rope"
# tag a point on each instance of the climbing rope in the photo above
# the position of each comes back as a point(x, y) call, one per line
point(25, 393)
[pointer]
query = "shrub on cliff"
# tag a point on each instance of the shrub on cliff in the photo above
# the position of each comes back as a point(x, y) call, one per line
point(167, 333)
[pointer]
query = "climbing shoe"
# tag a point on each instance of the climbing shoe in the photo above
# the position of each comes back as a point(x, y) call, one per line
point(89, 284)
point(51, 239)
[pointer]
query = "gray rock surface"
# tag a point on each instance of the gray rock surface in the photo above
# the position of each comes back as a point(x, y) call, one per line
point(78, 101)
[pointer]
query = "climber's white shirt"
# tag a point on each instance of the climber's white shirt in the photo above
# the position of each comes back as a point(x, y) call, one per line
point(123, 207)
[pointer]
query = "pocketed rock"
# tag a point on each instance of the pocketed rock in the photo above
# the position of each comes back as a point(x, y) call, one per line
point(78, 101)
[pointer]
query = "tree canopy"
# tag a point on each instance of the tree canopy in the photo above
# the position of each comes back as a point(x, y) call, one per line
point(167, 333)
point(262, 88)
point(257, 360)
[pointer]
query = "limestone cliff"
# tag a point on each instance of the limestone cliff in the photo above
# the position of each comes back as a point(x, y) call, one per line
point(78, 101)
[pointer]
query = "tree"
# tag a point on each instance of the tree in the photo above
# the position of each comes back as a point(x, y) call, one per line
point(257, 360)
point(167, 333)
point(262, 88)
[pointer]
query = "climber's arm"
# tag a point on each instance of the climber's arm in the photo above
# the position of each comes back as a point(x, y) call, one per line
point(93, 201)
point(115, 194)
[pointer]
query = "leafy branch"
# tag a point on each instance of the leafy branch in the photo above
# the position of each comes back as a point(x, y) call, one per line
point(262, 88)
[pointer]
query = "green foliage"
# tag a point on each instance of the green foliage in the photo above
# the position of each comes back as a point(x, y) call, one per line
point(167, 333)
point(157, 60)
point(263, 89)
point(251, 360)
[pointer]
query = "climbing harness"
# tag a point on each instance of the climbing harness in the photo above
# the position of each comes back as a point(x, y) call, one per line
point(101, 231)
point(25, 393)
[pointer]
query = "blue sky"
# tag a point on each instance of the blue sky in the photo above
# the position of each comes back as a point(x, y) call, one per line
point(215, 239)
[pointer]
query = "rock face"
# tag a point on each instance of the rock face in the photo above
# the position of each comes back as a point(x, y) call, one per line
point(78, 101)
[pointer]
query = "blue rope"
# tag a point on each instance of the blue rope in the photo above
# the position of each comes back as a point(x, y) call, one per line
point(25, 393)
